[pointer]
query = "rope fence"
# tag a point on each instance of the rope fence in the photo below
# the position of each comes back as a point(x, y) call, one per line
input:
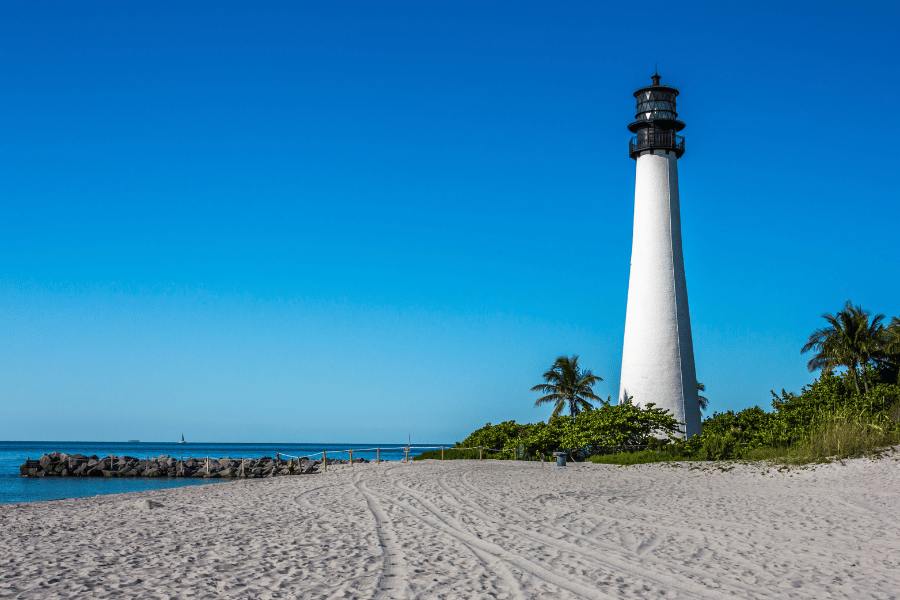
point(406, 450)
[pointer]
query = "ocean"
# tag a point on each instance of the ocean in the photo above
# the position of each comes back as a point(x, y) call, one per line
point(31, 489)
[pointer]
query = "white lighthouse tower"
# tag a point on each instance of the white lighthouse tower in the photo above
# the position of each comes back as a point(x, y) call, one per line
point(658, 354)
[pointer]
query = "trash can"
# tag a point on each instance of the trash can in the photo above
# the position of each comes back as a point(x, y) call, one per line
point(560, 459)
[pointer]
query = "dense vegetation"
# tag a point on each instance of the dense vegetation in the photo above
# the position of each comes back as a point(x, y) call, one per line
point(595, 431)
point(843, 414)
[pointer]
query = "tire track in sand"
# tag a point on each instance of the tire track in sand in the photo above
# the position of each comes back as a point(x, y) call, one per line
point(489, 562)
point(623, 565)
point(499, 553)
point(391, 584)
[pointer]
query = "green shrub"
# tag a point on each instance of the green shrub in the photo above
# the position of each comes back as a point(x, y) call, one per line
point(602, 430)
point(507, 437)
point(611, 427)
point(893, 413)
point(752, 426)
point(493, 436)
point(719, 447)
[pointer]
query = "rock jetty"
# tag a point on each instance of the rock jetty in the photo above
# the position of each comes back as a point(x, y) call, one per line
point(59, 464)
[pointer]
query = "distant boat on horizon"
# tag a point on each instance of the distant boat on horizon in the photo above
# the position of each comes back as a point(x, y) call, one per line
point(182, 440)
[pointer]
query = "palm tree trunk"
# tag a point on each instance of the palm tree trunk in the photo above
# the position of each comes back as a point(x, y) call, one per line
point(855, 377)
point(558, 409)
point(865, 379)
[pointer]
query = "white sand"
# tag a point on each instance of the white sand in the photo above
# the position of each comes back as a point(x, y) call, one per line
point(469, 529)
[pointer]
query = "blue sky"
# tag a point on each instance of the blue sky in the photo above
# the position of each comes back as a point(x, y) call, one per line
point(357, 221)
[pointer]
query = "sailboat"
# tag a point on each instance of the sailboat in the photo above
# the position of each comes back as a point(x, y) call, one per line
point(182, 440)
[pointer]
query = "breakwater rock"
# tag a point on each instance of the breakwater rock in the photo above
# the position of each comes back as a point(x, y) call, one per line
point(58, 464)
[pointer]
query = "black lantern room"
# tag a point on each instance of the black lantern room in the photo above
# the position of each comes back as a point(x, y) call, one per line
point(656, 121)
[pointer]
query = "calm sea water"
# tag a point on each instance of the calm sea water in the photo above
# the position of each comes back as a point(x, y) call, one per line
point(30, 489)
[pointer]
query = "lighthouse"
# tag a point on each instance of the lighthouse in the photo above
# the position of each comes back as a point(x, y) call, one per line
point(658, 353)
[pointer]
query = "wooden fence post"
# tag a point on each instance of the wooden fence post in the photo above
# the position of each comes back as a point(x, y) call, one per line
point(325, 461)
point(351, 458)
point(442, 453)
point(479, 452)
point(377, 455)
point(407, 454)
point(207, 466)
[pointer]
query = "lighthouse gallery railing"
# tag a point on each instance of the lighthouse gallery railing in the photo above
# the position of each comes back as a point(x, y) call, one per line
point(656, 141)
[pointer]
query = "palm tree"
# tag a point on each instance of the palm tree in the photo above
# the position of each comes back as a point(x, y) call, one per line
point(891, 349)
point(703, 401)
point(850, 340)
point(892, 336)
point(567, 384)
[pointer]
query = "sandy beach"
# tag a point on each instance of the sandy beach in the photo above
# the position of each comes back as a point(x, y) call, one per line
point(469, 529)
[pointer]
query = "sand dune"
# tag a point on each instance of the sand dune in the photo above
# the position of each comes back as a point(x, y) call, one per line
point(469, 529)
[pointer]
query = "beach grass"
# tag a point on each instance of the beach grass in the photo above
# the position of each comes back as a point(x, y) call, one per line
point(638, 458)
point(839, 436)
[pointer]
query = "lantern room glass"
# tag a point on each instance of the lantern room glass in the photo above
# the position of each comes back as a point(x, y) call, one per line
point(656, 104)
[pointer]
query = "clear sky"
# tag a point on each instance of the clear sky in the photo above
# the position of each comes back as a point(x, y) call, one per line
point(354, 221)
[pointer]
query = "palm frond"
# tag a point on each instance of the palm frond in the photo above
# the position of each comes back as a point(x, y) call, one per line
point(543, 387)
point(546, 399)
